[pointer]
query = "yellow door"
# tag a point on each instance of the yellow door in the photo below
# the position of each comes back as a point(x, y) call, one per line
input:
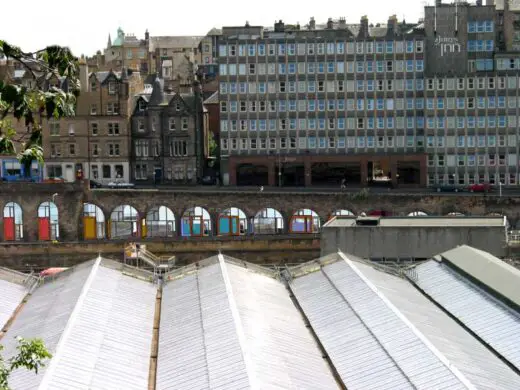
point(89, 228)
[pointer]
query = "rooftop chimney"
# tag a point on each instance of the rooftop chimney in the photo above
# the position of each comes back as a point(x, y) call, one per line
point(479, 3)
point(83, 75)
point(438, 3)
point(363, 28)
point(391, 28)
point(279, 26)
point(330, 24)
point(342, 23)
point(312, 24)
point(146, 35)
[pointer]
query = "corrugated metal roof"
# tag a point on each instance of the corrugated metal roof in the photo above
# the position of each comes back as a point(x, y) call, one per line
point(482, 368)
point(422, 222)
point(97, 322)
point(238, 329)
point(486, 316)
point(360, 329)
point(487, 269)
point(12, 293)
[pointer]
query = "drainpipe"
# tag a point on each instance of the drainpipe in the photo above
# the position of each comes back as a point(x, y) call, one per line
point(152, 375)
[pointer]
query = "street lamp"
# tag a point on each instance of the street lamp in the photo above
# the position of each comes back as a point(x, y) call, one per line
point(54, 196)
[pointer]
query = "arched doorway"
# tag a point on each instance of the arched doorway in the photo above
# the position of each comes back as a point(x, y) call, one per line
point(268, 221)
point(48, 222)
point(417, 214)
point(232, 222)
point(93, 222)
point(124, 222)
point(305, 221)
point(13, 222)
point(196, 222)
point(160, 222)
point(252, 175)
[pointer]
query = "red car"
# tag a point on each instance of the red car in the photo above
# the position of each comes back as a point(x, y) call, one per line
point(481, 187)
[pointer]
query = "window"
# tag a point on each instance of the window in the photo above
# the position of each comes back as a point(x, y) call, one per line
point(95, 150)
point(55, 150)
point(184, 123)
point(54, 128)
point(171, 124)
point(94, 128)
point(140, 172)
point(140, 125)
point(113, 150)
point(93, 109)
point(112, 109)
point(106, 172)
point(142, 105)
point(113, 128)
point(112, 87)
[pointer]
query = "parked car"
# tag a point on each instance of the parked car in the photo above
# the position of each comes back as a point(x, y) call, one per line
point(120, 184)
point(481, 187)
point(95, 184)
point(448, 188)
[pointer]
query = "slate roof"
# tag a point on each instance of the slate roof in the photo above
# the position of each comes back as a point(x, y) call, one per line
point(13, 289)
point(172, 42)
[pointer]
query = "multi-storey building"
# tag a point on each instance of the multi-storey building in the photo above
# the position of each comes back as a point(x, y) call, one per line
point(434, 102)
point(96, 142)
point(169, 139)
point(126, 50)
point(175, 59)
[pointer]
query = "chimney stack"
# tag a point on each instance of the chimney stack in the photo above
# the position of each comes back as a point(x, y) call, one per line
point(312, 24)
point(83, 75)
point(391, 27)
point(479, 3)
point(438, 3)
point(363, 29)
point(342, 23)
point(330, 24)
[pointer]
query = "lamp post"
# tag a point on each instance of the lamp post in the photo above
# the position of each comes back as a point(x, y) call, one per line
point(500, 188)
point(54, 196)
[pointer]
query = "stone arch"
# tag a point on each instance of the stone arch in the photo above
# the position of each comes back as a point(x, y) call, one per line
point(94, 222)
point(196, 222)
point(268, 221)
point(304, 221)
point(13, 222)
point(124, 222)
point(232, 222)
point(48, 222)
point(159, 222)
point(417, 213)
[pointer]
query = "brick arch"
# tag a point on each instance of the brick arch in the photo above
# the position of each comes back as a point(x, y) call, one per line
point(212, 217)
point(284, 216)
point(106, 215)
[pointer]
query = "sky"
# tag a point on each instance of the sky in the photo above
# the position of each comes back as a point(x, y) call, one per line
point(84, 26)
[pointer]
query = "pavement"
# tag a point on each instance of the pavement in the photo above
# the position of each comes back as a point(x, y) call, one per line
point(506, 192)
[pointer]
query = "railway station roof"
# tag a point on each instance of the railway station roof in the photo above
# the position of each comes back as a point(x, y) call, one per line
point(335, 322)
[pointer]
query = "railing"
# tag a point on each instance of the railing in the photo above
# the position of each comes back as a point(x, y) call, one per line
point(513, 237)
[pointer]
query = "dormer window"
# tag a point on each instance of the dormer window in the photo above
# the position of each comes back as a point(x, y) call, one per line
point(142, 105)
point(140, 125)
point(93, 85)
point(112, 88)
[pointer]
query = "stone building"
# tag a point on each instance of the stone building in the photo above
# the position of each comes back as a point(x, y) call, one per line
point(97, 140)
point(126, 50)
point(169, 142)
point(429, 103)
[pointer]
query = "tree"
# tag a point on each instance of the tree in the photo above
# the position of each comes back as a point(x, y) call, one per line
point(33, 105)
point(212, 145)
point(31, 356)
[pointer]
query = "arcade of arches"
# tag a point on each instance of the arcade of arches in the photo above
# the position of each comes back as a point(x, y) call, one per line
point(328, 171)
point(125, 222)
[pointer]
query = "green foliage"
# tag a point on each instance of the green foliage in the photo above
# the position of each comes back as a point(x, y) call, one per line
point(212, 146)
point(31, 355)
point(32, 106)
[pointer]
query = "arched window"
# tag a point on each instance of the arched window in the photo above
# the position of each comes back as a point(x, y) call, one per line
point(124, 222)
point(196, 222)
point(48, 222)
point(93, 222)
point(160, 222)
point(268, 221)
point(232, 222)
point(13, 222)
point(305, 221)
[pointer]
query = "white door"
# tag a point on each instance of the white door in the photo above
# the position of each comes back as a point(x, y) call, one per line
point(69, 173)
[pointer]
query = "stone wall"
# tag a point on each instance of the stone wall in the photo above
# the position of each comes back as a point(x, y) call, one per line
point(71, 197)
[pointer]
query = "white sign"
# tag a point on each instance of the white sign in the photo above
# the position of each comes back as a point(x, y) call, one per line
point(448, 45)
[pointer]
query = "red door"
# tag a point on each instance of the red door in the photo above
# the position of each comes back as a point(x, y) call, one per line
point(44, 228)
point(9, 229)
